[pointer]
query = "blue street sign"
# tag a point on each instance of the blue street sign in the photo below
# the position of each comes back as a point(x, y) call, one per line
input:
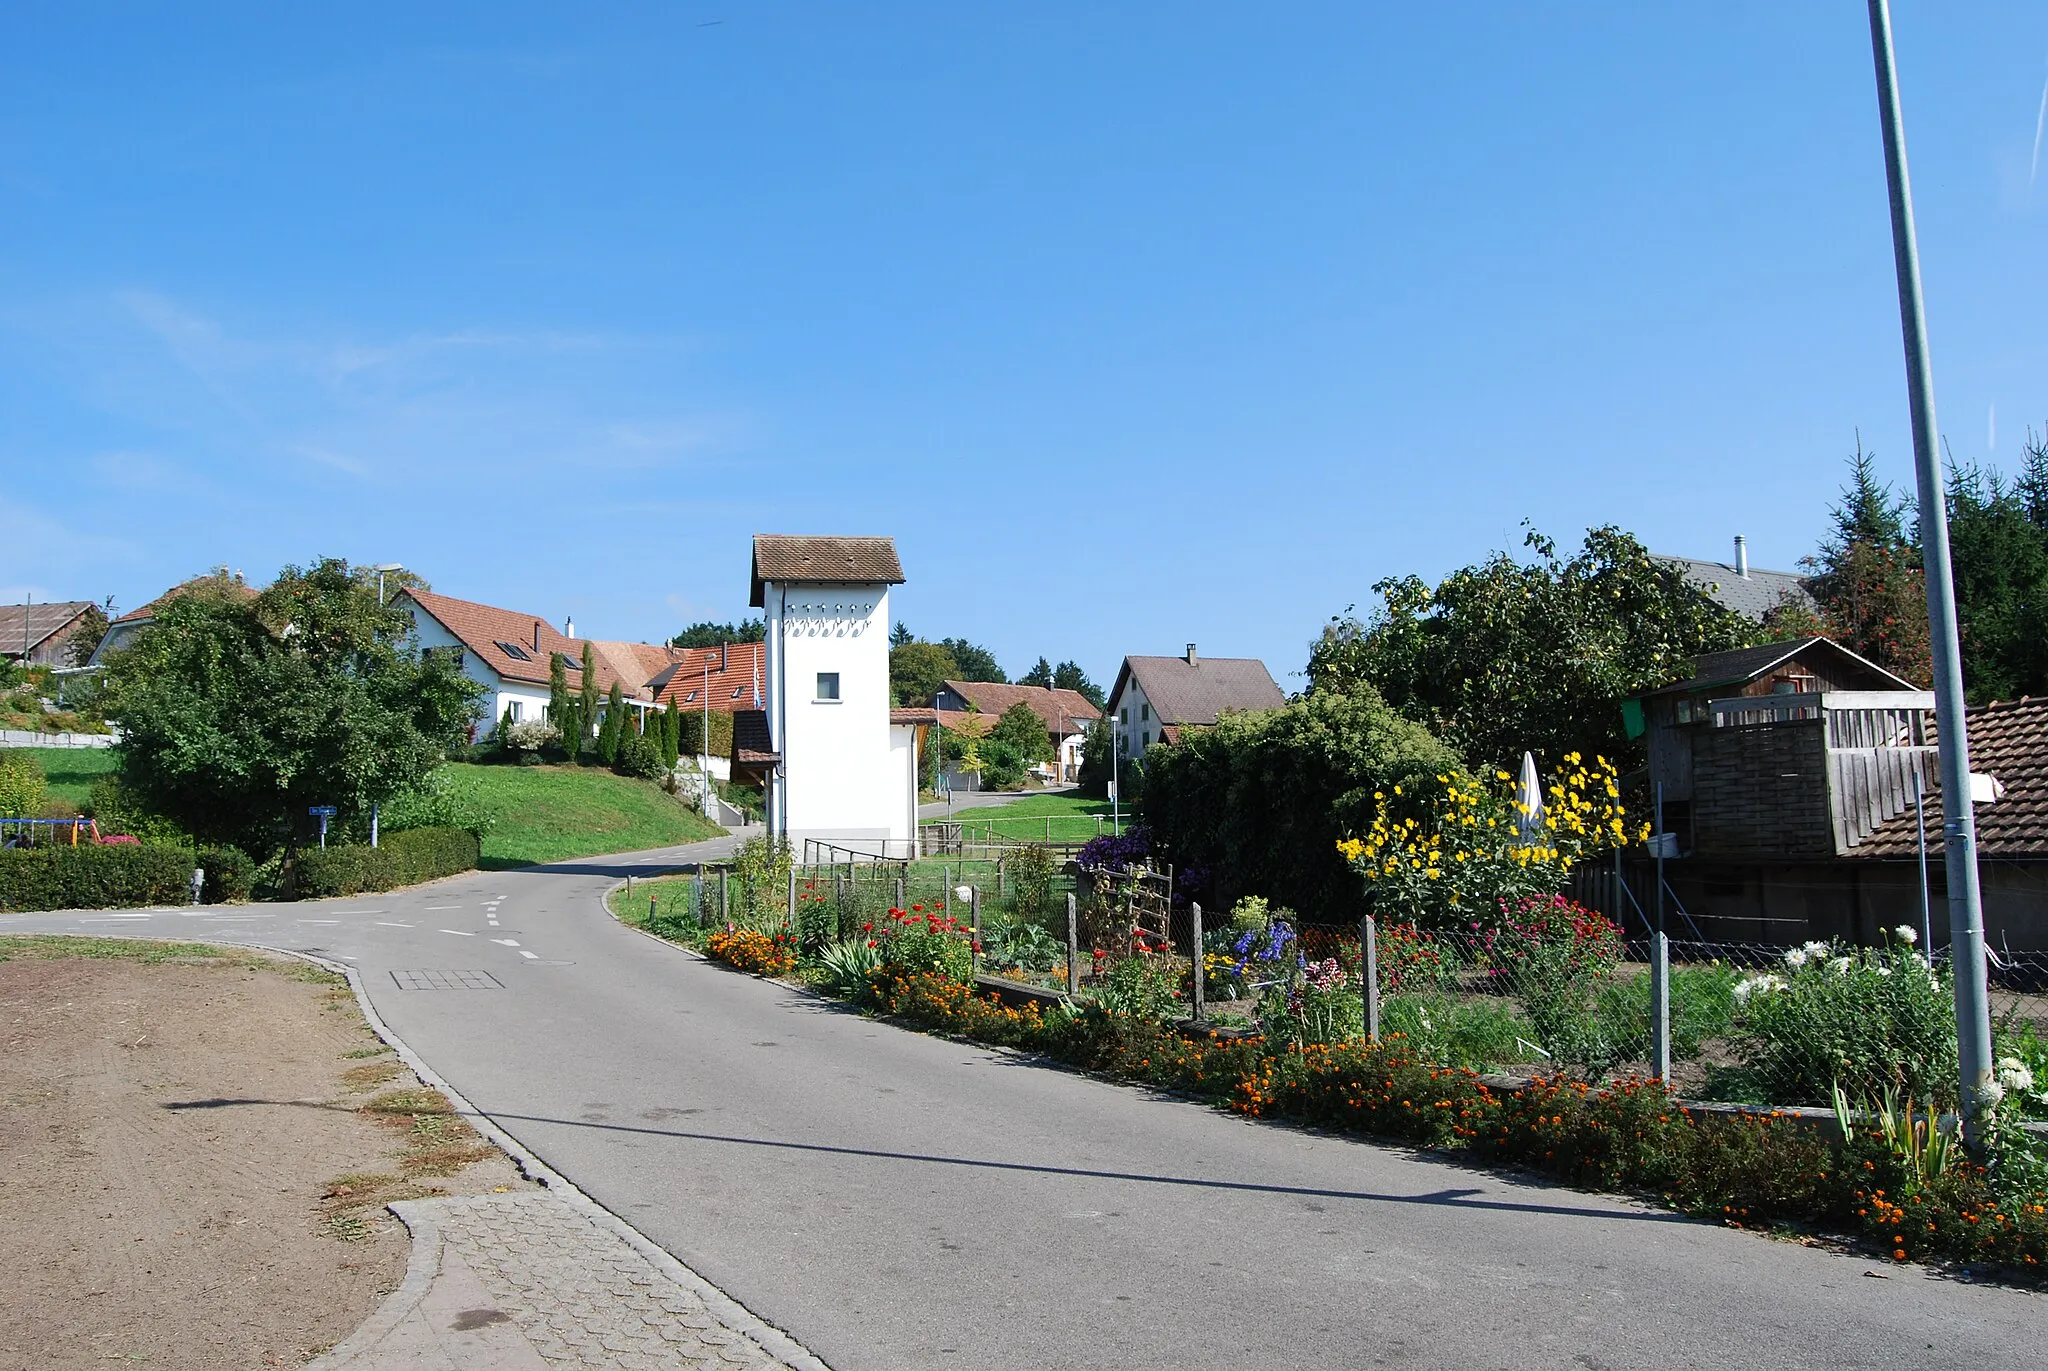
point(323, 811)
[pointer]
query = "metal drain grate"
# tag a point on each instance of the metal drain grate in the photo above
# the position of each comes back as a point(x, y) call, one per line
point(447, 980)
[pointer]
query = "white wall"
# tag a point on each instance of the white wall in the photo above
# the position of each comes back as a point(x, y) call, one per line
point(498, 692)
point(841, 780)
point(1131, 735)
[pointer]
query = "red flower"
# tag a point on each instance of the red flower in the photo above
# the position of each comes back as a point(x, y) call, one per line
point(917, 908)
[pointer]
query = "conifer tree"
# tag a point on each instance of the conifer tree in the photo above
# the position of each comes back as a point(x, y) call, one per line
point(672, 734)
point(613, 730)
point(558, 690)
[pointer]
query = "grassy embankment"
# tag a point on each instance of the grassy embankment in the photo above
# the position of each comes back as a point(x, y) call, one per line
point(1061, 818)
point(72, 770)
point(551, 813)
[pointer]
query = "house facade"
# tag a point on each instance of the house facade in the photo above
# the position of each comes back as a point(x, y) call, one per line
point(1066, 715)
point(838, 769)
point(1156, 697)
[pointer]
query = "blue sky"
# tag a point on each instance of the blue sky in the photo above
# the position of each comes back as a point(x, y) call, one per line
point(1133, 324)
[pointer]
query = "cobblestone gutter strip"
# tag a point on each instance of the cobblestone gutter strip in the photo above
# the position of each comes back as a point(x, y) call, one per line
point(776, 1348)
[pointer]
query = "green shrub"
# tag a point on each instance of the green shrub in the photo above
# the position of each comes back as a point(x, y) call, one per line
point(230, 874)
point(1002, 765)
point(915, 944)
point(1030, 872)
point(115, 809)
point(442, 799)
point(23, 788)
point(407, 858)
point(640, 756)
point(90, 876)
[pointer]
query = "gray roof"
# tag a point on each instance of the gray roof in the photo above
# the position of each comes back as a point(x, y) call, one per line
point(1751, 596)
point(1184, 694)
point(1741, 665)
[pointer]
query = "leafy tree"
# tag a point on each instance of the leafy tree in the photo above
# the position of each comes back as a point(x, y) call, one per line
point(1069, 676)
point(917, 671)
point(1002, 765)
point(1097, 765)
point(708, 634)
point(23, 788)
point(1261, 799)
point(967, 736)
point(976, 663)
point(238, 715)
point(612, 732)
point(1023, 730)
point(1511, 655)
point(1039, 675)
point(92, 626)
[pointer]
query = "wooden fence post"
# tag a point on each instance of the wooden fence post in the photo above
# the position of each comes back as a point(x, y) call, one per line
point(1073, 947)
point(724, 895)
point(1195, 913)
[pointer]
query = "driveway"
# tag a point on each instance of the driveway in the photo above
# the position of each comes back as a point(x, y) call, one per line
point(898, 1201)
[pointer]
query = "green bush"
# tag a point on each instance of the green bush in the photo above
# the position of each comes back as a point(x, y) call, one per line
point(94, 877)
point(1002, 765)
point(640, 756)
point(230, 874)
point(407, 858)
point(23, 788)
point(1030, 871)
point(115, 809)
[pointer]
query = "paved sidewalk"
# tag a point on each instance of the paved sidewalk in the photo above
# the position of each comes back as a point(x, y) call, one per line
point(531, 1281)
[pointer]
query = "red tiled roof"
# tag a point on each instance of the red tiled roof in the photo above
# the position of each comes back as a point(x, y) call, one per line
point(823, 561)
point(486, 629)
point(1057, 709)
point(2008, 741)
point(731, 689)
point(751, 745)
point(916, 716)
point(233, 585)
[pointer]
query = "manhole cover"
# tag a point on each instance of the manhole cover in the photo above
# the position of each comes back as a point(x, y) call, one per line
point(447, 980)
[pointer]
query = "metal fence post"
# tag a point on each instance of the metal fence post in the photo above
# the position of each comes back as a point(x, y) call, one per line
point(724, 896)
point(1073, 947)
point(1660, 1006)
point(789, 912)
point(697, 896)
point(899, 892)
point(1195, 915)
point(1369, 974)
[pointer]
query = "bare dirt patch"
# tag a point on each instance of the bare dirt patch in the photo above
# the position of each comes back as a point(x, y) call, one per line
point(188, 1174)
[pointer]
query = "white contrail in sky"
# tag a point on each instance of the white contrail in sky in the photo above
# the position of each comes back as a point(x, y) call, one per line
point(2040, 122)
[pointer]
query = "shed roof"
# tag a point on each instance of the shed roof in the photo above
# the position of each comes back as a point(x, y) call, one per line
point(1196, 693)
point(24, 628)
point(2010, 742)
point(847, 561)
point(751, 744)
point(1740, 665)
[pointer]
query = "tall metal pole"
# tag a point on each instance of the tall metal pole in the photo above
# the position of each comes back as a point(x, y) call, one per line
point(1926, 903)
point(1959, 823)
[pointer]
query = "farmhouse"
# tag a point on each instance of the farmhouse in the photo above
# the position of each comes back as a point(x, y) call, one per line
point(1156, 697)
point(1065, 713)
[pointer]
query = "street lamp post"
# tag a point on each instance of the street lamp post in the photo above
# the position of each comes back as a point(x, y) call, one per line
point(1958, 821)
point(380, 569)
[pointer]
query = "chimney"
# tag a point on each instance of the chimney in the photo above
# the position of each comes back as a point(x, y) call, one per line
point(569, 627)
point(1742, 556)
point(1192, 659)
point(721, 656)
point(536, 636)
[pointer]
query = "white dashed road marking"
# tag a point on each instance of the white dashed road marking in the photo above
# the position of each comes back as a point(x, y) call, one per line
point(382, 924)
point(530, 956)
point(460, 934)
point(336, 921)
point(514, 942)
point(443, 908)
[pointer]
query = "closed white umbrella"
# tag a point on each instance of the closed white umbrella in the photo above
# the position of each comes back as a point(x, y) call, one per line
point(1529, 796)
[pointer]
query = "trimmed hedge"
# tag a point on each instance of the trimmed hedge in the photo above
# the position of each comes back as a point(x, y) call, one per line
point(94, 877)
point(418, 854)
point(230, 875)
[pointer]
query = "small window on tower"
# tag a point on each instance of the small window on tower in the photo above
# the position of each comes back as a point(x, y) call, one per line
point(828, 685)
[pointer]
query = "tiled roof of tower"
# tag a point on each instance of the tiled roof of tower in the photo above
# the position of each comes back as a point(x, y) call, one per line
point(2008, 741)
point(1184, 693)
point(789, 559)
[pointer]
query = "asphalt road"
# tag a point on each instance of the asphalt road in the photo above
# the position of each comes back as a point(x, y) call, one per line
point(896, 1201)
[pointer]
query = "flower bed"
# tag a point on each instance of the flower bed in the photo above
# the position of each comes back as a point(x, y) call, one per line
point(764, 954)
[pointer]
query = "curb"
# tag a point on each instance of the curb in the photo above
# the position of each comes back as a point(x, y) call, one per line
point(420, 1270)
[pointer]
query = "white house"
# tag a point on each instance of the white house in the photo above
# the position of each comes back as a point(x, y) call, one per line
point(837, 768)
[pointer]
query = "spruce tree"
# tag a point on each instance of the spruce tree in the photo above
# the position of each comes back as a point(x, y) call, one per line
point(558, 690)
point(613, 731)
point(589, 687)
point(573, 729)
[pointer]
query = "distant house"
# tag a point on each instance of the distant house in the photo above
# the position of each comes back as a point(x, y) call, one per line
point(511, 654)
point(1066, 714)
point(1156, 697)
point(40, 635)
point(838, 767)
point(122, 630)
point(1788, 775)
point(1749, 591)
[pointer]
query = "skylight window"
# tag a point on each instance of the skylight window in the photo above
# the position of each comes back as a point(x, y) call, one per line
point(512, 650)
point(738, 691)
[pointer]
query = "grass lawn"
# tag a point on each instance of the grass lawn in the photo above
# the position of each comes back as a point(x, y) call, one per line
point(548, 813)
point(72, 770)
point(1062, 818)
